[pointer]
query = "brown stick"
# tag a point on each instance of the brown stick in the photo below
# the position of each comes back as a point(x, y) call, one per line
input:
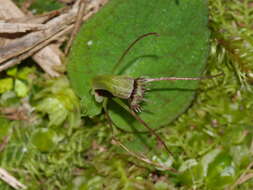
point(76, 26)
point(13, 52)
point(9, 179)
point(21, 57)
point(8, 11)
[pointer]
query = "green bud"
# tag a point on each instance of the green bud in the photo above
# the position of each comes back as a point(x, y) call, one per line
point(116, 85)
point(129, 88)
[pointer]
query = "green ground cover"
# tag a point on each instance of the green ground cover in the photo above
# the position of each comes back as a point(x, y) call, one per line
point(51, 147)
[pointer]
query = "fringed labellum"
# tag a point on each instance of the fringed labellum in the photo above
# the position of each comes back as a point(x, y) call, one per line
point(120, 86)
point(132, 89)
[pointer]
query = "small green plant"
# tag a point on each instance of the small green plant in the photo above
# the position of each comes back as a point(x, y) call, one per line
point(132, 89)
point(94, 75)
point(180, 50)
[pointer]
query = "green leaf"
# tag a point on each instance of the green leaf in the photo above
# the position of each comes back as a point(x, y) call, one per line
point(42, 6)
point(221, 171)
point(89, 106)
point(24, 72)
point(208, 158)
point(187, 165)
point(44, 139)
point(6, 84)
point(21, 88)
point(55, 109)
point(160, 185)
point(59, 102)
point(5, 128)
point(12, 71)
point(181, 50)
point(9, 98)
point(190, 172)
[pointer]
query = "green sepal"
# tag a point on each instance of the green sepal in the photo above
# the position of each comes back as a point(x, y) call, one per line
point(118, 86)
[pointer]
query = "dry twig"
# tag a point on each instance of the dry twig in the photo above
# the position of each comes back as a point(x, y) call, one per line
point(25, 46)
point(8, 12)
point(244, 177)
point(19, 27)
point(76, 26)
point(9, 179)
